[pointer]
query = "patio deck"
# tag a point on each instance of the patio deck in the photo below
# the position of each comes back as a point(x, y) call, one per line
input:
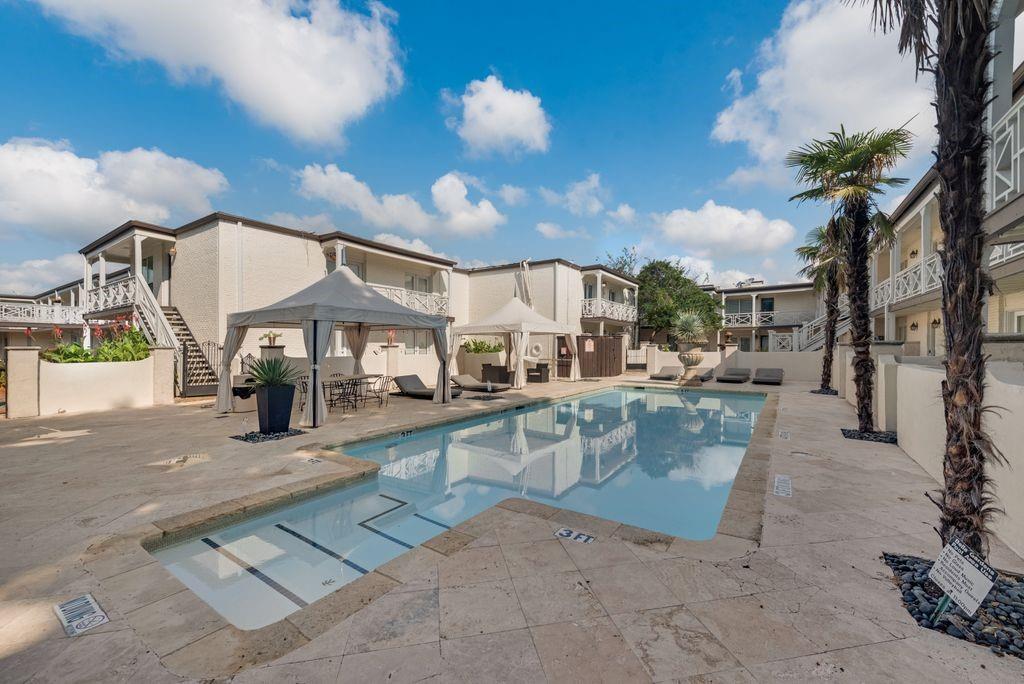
point(812, 601)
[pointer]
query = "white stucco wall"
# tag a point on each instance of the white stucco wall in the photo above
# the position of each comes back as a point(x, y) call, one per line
point(195, 281)
point(79, 387)
point(798, 366)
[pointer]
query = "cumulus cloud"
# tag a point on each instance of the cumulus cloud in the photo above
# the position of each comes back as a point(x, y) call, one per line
point(46, 186)
point(34, 276)
point(456, 214)
point(512, 195)
point(623, 213)
point(805, 88)
point(415, 245)
point(582, 198)
point(314, 223)
point(306, 67)
point(706, 271)
point(498, 119)
point(715, 225)
point(553, 231)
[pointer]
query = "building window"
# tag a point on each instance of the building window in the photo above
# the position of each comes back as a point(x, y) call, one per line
point(767, 304)
point(744, 344)
point(147, 271)
point(1018, 322)
point(418, 283)
point(588, 290)
point(739, 305)
point(358, 269)
point(611, 295)
point(418, 341)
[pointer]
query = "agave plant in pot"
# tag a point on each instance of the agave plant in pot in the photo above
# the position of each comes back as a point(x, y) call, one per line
point(690, 334)
point(274, 379)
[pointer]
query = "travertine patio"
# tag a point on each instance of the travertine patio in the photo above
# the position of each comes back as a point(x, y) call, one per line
point(499, 598)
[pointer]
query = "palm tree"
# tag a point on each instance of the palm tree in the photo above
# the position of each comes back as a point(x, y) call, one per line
point(849, 171)
point(823, 254)
point(950, 39)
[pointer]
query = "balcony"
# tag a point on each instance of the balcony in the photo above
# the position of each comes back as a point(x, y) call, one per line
point(604, 308)
point(764, 319)
point(1004, 175)
point(425, 302)
point(30, 314)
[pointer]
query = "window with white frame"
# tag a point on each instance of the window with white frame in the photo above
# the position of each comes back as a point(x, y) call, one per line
point(744, 305)
point(418, 283)
point(418, 341)
point(588, 290)
point(1018, 321)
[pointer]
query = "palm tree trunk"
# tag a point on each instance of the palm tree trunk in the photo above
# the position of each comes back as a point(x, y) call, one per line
point(857, 284)
point(961, 88)
point(831, 318)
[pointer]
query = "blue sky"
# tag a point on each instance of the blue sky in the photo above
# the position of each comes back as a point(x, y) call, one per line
point(484, 133)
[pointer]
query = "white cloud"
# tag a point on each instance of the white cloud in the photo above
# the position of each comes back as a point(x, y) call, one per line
point(315, 223)
point(512, 195)
point(823, 67)
point(553, 231)
point(456, 214)
point(45, 186)
point(623, 213)
point(306, 67)
point(715, 225)
point(705, 270)
point(734, 82)
point(415, 245)
point(582, 198)
point(34, 276)
point(498, 119)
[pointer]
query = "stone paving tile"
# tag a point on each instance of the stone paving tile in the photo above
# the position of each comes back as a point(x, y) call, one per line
point(557, 597)
point(536, 558)
point(472, 566)
point(600, 553)
point(168, 624)
point(586, 651)
point(672, 644)
point(736, 676)
point(230, 650)
point(304, 672)
point(524, 528)
point(581, 522)
point(139, 587)
point(479, 609)
point(403, 665)
point(694, 580)
point(760, 572)
point(94, 658)
point(395, 619)
point(503, 657)
point(628, 587)
point(415, 569)
point(722, 547)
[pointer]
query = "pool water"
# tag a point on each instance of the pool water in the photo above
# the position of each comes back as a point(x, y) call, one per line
point(663, 460)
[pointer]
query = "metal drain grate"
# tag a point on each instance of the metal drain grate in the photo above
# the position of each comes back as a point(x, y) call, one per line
point(783, 434)
point(80, 615)
point(783, 485)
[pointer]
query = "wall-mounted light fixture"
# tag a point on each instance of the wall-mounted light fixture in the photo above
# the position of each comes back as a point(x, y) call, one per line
point(913, 254)
point(936, 323)
point(173, 251)
point(913, 326)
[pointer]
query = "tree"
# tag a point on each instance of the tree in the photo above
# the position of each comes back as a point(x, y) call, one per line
point(950, 38)
point(849, 171)
point(625, 261)
point(665, 289)
point(823, 253)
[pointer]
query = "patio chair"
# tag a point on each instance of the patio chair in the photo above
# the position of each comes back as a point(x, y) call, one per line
point(412, 386)
point(380, 389)
point(734, 375)
point(343, 393)
point(302, 384)
point(540, 373)
point(668, 373)
point(468, 382)
point(768, 376)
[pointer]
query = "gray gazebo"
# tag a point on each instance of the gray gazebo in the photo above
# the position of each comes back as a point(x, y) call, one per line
point(340, 300)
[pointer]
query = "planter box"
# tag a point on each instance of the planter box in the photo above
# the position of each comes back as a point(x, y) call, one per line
point(274, 408)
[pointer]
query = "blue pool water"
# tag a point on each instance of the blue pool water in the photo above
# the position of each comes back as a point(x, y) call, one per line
point(663, 460)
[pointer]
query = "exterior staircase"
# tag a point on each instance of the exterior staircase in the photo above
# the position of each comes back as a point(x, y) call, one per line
point(198, 377)
point(811, 335)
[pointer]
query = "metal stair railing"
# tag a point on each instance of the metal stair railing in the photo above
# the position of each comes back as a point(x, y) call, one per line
point(150, 312)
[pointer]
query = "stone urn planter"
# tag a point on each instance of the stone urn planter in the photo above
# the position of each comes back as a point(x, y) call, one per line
point(690, 355)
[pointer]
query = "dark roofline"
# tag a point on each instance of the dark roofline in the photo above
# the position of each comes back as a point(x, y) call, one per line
point(223, 216)
point(503, 267)
point(922, 186)
point(614, 271)
point(66, 286)
point(761, 288)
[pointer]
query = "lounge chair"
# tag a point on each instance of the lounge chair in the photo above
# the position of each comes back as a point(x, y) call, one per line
point(468, 382)
point(734, 375)
point(668, 373)
point(707, 375)
point(768, 376)
point(412, 386)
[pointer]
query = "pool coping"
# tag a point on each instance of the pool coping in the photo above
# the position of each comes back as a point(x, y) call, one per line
point(193, 640)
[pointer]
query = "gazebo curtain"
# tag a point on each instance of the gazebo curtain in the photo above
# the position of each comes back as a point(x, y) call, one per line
point(443, 390)
point(317, 337)
point(517, 350)
point(357, 337)
point(574, 367)
point(232, 343)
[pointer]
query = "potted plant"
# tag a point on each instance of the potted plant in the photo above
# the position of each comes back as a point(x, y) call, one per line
point(271, 337)
point(691, 334)
point(274, 380)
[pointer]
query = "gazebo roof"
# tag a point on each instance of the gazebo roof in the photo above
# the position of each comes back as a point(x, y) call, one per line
point(515, 316)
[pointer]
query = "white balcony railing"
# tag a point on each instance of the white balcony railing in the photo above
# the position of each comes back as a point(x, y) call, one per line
point(1004, 169)
point(1003, 253)
point(30, 314)
point(881, 294)
point(132, 293)
point(119, 294)
point(425, 302)
point(758, 319)
point(604, 308)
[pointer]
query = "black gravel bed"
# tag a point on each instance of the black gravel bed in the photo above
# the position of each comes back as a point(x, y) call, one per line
point(998, 625)
point(880, 436)
point(828, 392)
point(257, 437)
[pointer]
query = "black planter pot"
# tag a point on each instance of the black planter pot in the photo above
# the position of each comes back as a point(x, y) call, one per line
point(274, 407)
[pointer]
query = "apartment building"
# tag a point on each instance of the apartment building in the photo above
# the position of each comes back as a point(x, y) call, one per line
point(760, 317)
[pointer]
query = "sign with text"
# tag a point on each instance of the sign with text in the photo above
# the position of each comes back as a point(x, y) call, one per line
point(588, 346)
point(581, 537)
point(963, 575)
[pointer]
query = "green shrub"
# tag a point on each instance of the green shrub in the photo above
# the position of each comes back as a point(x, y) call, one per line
point(483, 347)
point(123, 344)
point(68, 352)
point(273, 372)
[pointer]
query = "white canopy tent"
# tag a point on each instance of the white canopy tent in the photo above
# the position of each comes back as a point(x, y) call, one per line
point(516, 322)
point(339, 300)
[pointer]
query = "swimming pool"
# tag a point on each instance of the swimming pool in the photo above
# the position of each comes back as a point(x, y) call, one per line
point(663, 460)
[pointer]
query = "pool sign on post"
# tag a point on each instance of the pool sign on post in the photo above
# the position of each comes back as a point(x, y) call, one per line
point(963, 575)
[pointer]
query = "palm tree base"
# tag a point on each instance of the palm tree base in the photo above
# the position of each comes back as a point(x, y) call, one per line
point(880, 436)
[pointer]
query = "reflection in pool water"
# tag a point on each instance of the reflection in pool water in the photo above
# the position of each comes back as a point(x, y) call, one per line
point(663, 460)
